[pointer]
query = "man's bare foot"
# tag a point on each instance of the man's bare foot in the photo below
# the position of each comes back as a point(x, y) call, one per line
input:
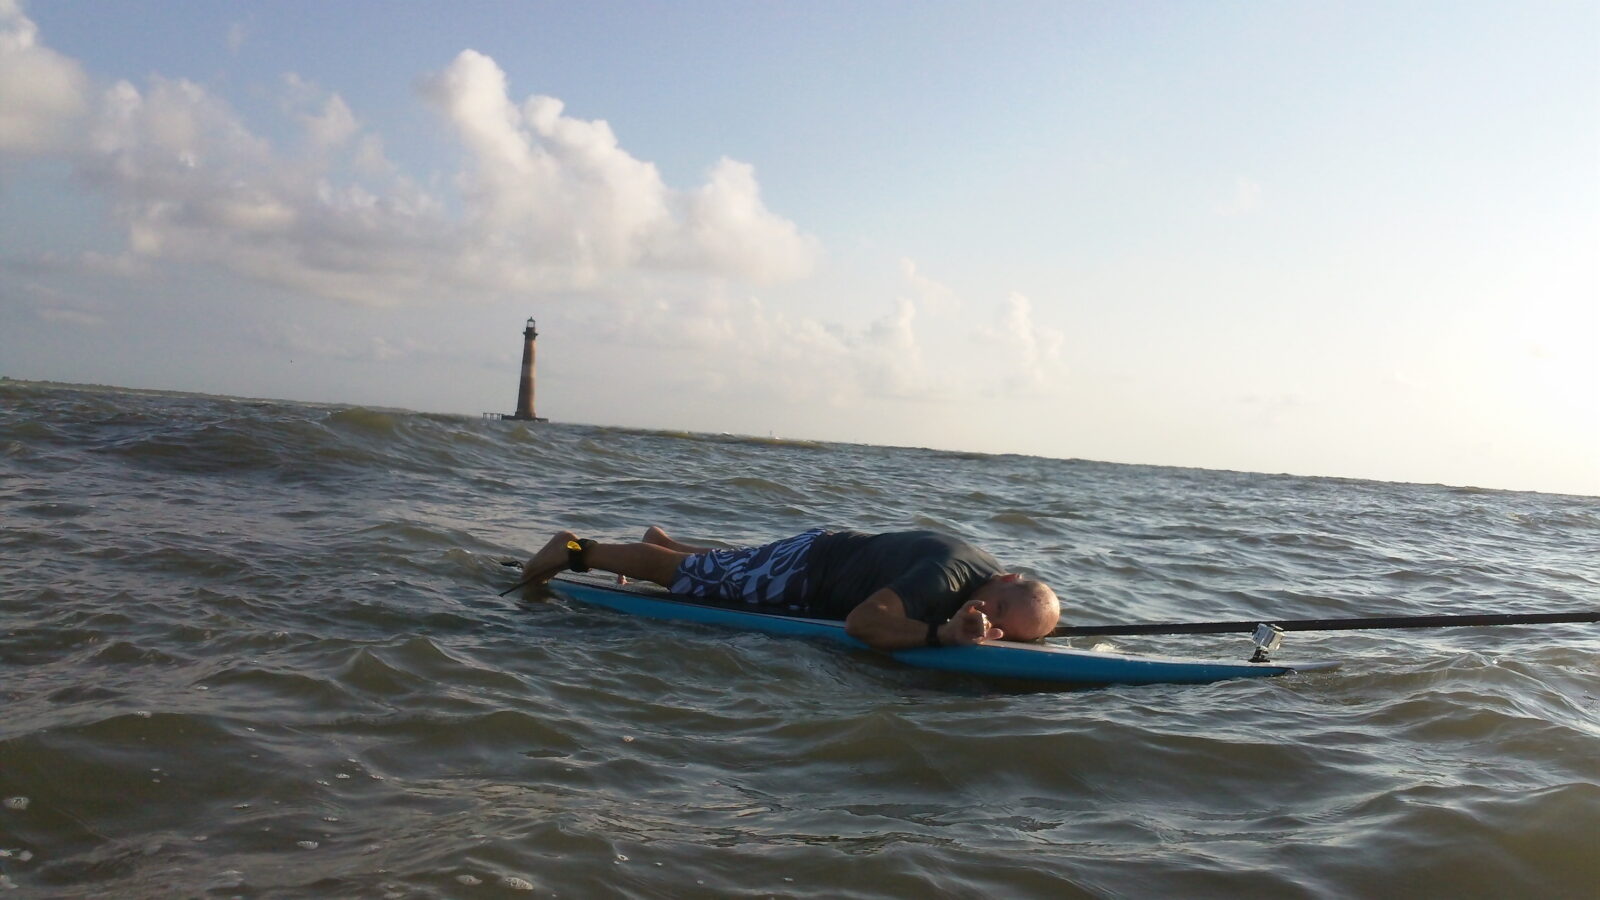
point(550, 560)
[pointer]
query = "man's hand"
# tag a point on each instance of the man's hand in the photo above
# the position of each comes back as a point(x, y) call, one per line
point(968, 626)
point(880, 622)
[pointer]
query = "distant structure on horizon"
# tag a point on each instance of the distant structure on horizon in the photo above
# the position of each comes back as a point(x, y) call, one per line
point(524, 411)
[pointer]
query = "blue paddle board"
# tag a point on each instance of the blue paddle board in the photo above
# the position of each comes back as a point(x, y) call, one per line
point(1005, 659)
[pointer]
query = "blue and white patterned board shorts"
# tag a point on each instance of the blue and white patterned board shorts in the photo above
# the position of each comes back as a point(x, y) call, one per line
point(770, 574)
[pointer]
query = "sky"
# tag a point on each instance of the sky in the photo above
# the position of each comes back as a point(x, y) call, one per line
point(1346, 239)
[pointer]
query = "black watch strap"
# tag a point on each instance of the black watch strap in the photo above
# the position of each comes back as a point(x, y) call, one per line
point(933, 635)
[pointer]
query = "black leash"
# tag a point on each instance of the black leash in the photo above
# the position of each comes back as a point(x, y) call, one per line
point(577, 552)
point(1457, 621)
point(523, 583)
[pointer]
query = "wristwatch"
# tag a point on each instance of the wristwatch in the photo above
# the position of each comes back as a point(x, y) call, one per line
point(933, 635)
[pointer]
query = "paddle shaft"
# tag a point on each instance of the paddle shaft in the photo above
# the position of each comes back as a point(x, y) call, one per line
point(1248, 625)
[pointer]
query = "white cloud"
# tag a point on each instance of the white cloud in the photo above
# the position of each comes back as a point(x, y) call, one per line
point(562, 193)
point(745, 345)
point(369, 160)
point(190, 182)
point(549, 203)
point(930, 294)
point(556, 191)
point(331, 125)
point(890, 356)
point(1024, 357)
point(742, 345)
point(726, 227)
point(42, 93)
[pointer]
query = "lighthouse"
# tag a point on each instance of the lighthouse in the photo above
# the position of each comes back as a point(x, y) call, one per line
point(525, 386)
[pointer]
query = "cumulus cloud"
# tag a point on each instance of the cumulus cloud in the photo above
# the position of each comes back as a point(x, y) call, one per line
point(929, 293)
point(891, 355)
point(1026, 357)
point(326, 118)
point(558, 189)
point(190, 182)
point(547, 203)
point(42, 93)
point(726, 227)
point(743, 344)
point(564, 192)
point(913, 348)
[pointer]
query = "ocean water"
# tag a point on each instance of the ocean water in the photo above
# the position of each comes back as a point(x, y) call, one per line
point(253, 648)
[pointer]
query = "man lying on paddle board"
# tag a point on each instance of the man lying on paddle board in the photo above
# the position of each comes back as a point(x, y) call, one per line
point(893, 591)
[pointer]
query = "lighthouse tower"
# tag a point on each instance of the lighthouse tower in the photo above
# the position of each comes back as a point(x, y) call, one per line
point(525, 387)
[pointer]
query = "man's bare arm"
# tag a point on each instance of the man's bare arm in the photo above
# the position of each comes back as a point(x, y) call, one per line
point(880, 622)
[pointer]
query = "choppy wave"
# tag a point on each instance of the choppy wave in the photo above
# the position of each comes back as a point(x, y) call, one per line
point(255, 648)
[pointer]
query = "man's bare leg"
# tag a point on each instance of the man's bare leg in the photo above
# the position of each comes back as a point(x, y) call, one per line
point(655, 535)
point(649, 562)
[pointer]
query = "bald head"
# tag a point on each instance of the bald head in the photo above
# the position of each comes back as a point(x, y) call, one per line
point(1024, 609)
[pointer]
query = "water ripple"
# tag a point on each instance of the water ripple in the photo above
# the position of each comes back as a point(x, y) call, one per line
point(254, 648)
